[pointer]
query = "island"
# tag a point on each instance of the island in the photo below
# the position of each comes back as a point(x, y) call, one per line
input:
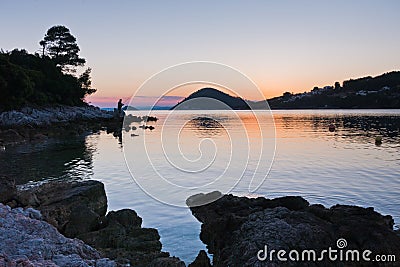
point(380, 92)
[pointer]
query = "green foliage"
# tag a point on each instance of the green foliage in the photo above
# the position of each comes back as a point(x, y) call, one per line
point(27, 79)
point(368, 92)
point(86, 83)
point(62, 48)
point(390, 79)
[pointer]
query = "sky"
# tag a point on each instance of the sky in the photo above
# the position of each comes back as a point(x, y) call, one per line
point(280, 45)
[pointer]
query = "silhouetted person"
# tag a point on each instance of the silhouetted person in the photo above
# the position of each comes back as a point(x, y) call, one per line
point(120, 104)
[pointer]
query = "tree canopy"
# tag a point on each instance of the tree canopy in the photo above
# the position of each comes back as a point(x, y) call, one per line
point(27, 79)
point(60, 45)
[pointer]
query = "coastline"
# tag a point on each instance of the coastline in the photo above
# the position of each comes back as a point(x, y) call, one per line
point(237, 230)
point(40, 123)
point(231, 216)
point(74, 211)
point(233, 228)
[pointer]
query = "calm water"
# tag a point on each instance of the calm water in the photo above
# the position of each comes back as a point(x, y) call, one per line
point(325, 167)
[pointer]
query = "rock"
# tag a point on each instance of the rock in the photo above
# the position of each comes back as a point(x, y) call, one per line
point(77, 209)
point(121, 237)
point(167, 262)
point(202, 199)
point(50, 115)
point(12, 204)
point(39, 136)
point(8, 190)
point(235, 229)
point(125, 218)
point(26, 241)
point(149, 118)
point(201, 260)
point(73, 208)
point(11, 136)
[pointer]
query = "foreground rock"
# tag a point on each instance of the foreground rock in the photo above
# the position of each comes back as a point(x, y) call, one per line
point(26, 240)
point(73, 208)
point(78, 210)
point(122, 238)
point(235, 229)
point(201, 260)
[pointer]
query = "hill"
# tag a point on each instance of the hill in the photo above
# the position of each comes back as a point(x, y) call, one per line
point(211, 99)
point(382, 91)
point(129, 108)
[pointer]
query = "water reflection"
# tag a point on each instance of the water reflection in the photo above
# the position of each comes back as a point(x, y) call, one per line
point(54, 159)
point(343, 166)
point(205, 127)
point(351, 128)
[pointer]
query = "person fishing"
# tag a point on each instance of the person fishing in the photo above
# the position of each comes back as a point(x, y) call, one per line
point(120, 105)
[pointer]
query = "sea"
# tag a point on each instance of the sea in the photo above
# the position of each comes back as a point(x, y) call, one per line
point(329, 157)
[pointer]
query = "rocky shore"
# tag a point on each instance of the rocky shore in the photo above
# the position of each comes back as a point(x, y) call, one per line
point(27, 240)
point(58, 211)
point(235, 229)
point(67, 224)
point(45, 116)
point(31, 123)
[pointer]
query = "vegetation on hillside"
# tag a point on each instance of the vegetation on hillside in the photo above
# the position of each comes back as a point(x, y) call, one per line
point(206, 95)
point(46, 79)
point(382, 91)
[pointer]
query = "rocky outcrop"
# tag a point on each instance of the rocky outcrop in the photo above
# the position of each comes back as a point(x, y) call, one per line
point(235, 229)
point(122, 238)
point(32, 124)
point(49, 115)
point(78, 210)
point(26, 240)
point(8, 191)
point(167, 262)
point(73, 208)
point(201, 260)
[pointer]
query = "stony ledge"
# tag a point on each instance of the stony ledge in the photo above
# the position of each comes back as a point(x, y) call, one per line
point(236, 228)
point(32, 124)
point(66, 224)
point(45, 116)
point(58, 211)
point(26, 240)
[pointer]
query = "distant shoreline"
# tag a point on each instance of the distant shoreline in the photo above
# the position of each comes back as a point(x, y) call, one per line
point(168, 109)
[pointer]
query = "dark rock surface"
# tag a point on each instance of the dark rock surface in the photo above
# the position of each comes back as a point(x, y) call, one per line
point(78, 210)
point(73, 208)
point(201, 260)
point(236, 228)
point(26, 240)
point(167, 262)
point(122, 238)
point(10, 136)
point(8, 191)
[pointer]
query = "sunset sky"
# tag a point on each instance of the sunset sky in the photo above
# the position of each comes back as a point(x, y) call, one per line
point(281, 45)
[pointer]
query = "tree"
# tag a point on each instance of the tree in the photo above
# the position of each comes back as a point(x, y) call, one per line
point(86, 83)
point(287, 95)
point(62, 48)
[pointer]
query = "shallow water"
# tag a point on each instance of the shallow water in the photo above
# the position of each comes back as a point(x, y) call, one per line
point(344, 166)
